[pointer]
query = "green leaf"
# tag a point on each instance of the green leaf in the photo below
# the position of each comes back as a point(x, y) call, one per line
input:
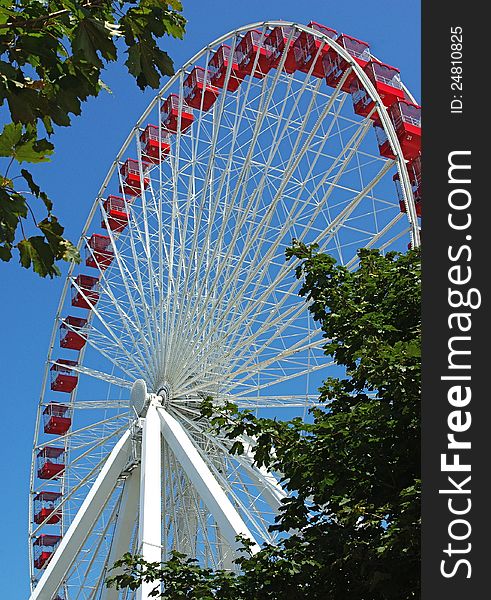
point(34, 151)
point(92, 37)
point(9, 138)
point(36, 190)
point(144, 58)
point(36, 251)
point(5, 253)
point(23, 146)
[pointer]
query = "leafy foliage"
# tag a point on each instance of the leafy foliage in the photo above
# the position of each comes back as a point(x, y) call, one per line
point(352, 518)
point(52, 54)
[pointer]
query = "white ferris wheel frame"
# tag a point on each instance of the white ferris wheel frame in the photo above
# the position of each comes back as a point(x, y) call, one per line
point(142, 482)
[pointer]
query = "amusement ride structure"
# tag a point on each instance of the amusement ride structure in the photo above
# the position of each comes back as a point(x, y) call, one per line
point(274, 132)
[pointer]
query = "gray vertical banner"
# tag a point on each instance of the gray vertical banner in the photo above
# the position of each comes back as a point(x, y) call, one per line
point(456, 318)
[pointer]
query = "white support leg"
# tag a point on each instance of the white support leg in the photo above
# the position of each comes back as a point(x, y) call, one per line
point(227, 518)
point(83, 522)
point(150, 524)
point(124, 528)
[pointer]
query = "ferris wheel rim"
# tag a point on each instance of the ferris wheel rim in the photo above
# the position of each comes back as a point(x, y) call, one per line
point(179, 74)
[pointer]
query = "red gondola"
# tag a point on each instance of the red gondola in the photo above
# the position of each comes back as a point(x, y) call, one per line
point(406, 118)
point(172, 119)
point(198, 91)
point(308, 48)
point(44, 548)
point(51, 462)
point(155, 144)
point(99, 252)
point(85, 290)
point(45, 508)
point(63, 378)
point(276, 42)
point(414, 172)
point(253, 56)
point(73, 333)
point(57, 419)
point(387, 82)
point(133, 180)
point(335, 66)
point(116, 214)
point(218, 66)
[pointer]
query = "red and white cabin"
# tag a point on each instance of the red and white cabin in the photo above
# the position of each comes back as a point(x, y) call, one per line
point(253, 56)
point(387, 82)
point(51, 462)
point(116, 214)
point(276, 43)
point(218, 66)
point(335, 66)
point(406, 118)
point(133, 180)
point(87, 291)
point(309, 49)
point(45, 508)
point(173, 119)
point(57, 418)
point(414, 171)
point(44, 548)
point(73, 333)
point(63, 378)
point(198, 91)
point(155, 144)
point(99, 252)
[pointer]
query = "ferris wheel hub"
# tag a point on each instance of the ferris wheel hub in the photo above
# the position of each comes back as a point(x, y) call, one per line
point(165, 394)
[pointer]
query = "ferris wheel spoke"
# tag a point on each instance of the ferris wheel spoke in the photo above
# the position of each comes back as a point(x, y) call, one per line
point(265, 100)
point(78, 432)
point(148, 266)
point(112, 379)
point(106, 404)
point(246, 346)
point(125, 320)
point(229, 477)
point(212, 209)
point(198, 472)
point(380, 235)
point(354, 142)
point(73, 469)
point(146, 309)
point(385, 245)
point(249, 387)
point(70, 496)
point(264, 401)
point(124, 529)
point(105, 346)
point(82, 524)
point(337, 223)
point(127, 277)
point(187, 520)
point(252, 367)
point(94, 553)
point(245, 212)
point(263, 479)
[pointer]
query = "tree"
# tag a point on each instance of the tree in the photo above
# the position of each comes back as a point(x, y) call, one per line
point(353, 472)
point(52, 53)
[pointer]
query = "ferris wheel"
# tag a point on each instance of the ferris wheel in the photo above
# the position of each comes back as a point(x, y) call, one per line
point(274, 132)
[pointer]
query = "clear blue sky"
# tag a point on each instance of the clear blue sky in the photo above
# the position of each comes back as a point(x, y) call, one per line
point(84, 152)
